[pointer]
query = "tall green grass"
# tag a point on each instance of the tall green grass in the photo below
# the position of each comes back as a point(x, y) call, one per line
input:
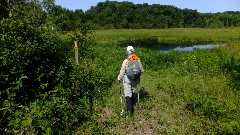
point(169, 35)
point(180, 93)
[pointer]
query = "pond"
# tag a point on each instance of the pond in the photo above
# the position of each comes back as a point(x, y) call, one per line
point(190, 48)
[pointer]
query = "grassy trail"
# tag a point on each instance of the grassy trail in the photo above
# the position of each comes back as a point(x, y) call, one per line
point(163, 104)
point(146, 113)
point(180, 93)
point(192, 96)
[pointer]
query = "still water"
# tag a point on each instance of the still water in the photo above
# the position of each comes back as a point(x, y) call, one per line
point(190, 48)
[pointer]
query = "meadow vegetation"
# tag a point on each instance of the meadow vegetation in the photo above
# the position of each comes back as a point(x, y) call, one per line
point(173, 35)
point(180, 92)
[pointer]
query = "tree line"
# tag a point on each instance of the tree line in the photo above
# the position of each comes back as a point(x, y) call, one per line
point(126, 15)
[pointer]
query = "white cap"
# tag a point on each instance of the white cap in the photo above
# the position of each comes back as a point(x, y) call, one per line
point(130, 50)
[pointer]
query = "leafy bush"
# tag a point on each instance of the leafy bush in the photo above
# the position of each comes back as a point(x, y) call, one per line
point(31, 60)
point(42, 91)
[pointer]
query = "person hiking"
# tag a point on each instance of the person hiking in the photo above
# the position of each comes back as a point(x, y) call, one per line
point(130, 74)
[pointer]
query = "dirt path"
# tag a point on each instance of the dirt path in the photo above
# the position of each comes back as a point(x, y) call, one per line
point(156, 112)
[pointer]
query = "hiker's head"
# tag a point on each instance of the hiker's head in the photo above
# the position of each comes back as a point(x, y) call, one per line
point(130, 50)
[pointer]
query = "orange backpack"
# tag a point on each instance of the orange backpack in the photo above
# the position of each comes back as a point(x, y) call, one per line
point(133, 57)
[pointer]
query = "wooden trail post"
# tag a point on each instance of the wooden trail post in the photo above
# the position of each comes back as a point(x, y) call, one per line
point(76, 59)
point(76, 52)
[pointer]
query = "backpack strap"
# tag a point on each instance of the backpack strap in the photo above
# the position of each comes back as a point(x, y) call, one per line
point(126, 65)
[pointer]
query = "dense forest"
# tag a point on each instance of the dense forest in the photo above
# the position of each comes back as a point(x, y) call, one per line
point(124, 15)
point(143, 16)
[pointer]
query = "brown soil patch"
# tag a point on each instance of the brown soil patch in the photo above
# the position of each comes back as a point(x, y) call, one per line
point(106, 114)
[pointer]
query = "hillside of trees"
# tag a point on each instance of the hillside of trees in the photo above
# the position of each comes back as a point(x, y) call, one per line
point(143, 16)
point(127, 15)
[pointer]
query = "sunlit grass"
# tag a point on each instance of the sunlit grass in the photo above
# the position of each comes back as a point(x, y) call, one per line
point(191, 95)
point(177, 34)
point(183, 93)
point(162, 110)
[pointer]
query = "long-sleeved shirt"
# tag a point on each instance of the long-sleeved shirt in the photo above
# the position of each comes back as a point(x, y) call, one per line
point(124, 68)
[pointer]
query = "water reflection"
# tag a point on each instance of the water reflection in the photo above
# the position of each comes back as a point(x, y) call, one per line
point(190, 48)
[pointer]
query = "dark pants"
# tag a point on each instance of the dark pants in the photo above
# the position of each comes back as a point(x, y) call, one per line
point(129, 101)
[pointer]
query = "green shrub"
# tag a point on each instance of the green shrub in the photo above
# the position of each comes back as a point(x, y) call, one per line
point(42, 91)
point(30, 61)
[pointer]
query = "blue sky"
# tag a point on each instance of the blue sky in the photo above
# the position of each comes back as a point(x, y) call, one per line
point(202, 6)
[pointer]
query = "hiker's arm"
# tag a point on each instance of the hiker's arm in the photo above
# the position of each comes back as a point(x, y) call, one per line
point(141, 67)
point(122, 70)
